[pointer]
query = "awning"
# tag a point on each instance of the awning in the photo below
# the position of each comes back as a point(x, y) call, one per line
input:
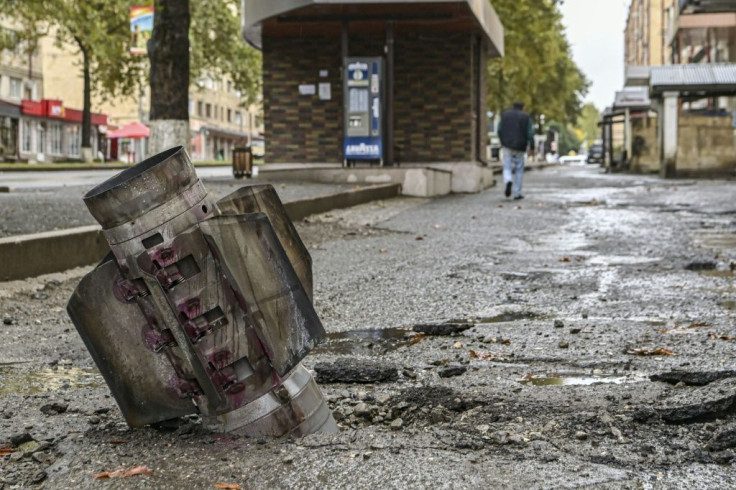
point(8, 109)
point(700, 6)
point(307, 17)
point(712, 79)
point(133, 130)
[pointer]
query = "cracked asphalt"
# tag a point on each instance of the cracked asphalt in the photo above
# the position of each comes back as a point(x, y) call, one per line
point(563, 306)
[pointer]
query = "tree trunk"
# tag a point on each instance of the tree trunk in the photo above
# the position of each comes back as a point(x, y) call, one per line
point(168, 51)
point(87, 153)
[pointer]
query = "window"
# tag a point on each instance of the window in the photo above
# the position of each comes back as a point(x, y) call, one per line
point(26, 136)
point(74, 136)
point(229, 86)
point(16, 88)
point(238, 118)
point(41, 144)
point(208, 110)
point(208, 83)
point(191, 107)
point(199, 108)
point(229, 115)
point(55, 138)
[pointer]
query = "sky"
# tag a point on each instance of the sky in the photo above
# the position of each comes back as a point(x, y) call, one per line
point(595, 30)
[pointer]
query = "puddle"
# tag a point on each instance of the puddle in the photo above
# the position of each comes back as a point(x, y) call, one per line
point(369, 341)
point(728, 305)
point(16, 381)
point(718, 273)
point(506, 317)
point(576, 380)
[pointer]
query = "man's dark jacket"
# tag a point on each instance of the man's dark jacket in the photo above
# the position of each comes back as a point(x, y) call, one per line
point(516, 130)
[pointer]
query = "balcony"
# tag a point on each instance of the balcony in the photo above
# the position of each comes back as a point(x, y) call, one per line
point(706, 6)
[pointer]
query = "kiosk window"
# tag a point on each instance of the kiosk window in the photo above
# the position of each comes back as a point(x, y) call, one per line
point(358, 100)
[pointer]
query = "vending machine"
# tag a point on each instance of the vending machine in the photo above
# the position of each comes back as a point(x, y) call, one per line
point(363, 109)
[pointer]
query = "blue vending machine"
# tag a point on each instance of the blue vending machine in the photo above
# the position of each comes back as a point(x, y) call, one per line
point(363, 109)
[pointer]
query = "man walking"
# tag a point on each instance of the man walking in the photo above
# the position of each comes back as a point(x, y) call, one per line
point(516, 131)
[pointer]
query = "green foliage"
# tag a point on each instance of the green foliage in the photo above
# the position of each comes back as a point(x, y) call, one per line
point(537, 68)
point(588, 121)
point(102, 28)
point(98, 29)
point(218, 47)
point(568, 139)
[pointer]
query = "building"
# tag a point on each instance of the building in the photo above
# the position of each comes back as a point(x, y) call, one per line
point(645, 36)
point(33, 126)
point(388, 82)
point(693, 95)
point(219, 118)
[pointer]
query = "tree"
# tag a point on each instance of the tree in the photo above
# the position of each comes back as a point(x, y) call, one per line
point(100, 32)
point(217, 49)
point(588, 121)
point(168, 52)
point(569, 141)
point(537, 68)
point(98, 29)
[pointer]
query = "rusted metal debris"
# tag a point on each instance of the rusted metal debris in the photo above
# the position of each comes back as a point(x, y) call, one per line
point(201, 306)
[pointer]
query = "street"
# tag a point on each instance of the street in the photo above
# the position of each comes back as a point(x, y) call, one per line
point(557, 310)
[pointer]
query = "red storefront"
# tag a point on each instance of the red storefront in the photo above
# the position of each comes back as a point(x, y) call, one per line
point(51, 132)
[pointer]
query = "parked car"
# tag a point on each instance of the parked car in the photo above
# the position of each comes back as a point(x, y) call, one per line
point(595, 154)
point(572, 159)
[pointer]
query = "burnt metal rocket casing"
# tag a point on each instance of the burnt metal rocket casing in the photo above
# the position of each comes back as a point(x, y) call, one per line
point(201, 307)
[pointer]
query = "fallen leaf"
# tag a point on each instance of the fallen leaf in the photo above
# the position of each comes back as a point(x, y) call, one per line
point(661, 351)
point(383, 250)
point(228, 486)
point(123, 473)
point(5, 450)
point(714, 336)
point(483, 356)
point(565, 259)
point(698, 325)
point(117, 441)
point(419, 238)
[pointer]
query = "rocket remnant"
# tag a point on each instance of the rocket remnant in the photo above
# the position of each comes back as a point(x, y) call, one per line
point(201, 306)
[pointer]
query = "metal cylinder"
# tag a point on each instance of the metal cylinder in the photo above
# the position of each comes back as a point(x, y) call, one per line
point(210, 302)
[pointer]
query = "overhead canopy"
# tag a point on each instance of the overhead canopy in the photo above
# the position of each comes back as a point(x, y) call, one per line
point(133, 130)
point(700, 6)
point(320, 17)
point(712, 79)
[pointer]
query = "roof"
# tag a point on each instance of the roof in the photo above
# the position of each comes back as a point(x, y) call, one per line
point(132, 130)
point(256, 12)
point(713, 78)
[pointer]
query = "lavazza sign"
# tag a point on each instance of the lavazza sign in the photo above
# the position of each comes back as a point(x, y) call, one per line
point(363, 150)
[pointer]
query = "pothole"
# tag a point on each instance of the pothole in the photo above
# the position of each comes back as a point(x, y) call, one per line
point(579, 379)
point(366, 341)
point(15, 381)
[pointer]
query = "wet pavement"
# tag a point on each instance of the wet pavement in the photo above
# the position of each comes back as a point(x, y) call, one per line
point(561, 309)
point(53, 200)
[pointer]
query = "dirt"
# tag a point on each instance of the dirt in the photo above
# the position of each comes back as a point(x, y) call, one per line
point(520, 411)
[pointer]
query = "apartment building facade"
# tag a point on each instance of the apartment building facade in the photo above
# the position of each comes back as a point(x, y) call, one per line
point(645, 36)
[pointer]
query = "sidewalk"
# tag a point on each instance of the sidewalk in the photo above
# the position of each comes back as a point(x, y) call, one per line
point(563, 305)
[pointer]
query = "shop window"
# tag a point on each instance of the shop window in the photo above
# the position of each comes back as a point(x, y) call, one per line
point(73, 138)
point(55, 137)
point(26, 135)
point(41, 143)
point(16, 88)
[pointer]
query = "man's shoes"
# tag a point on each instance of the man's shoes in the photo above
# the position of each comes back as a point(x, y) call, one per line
point(508, 189)
point(518, 198)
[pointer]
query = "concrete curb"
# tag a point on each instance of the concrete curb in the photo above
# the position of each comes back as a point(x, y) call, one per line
point(24, 256)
